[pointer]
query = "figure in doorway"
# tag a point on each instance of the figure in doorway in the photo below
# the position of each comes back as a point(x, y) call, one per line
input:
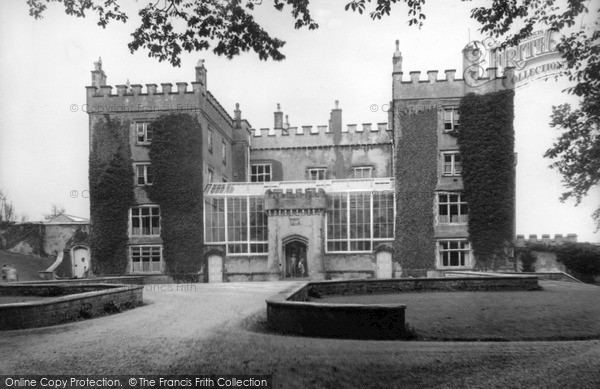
point(300, 268)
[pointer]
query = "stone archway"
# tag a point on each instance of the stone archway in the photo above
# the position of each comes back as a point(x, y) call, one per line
point(295, 263)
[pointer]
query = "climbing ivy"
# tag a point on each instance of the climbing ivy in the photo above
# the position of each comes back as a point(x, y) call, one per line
point(486, 142)
point(111, 195)
point(416, 177)
point(176, 158)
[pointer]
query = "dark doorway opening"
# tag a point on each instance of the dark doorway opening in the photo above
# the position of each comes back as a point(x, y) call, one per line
point(296, 265)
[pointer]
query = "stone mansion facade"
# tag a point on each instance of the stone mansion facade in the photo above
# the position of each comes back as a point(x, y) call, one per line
point(291, 202)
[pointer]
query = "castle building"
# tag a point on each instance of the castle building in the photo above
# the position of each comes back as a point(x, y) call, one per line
point(313, 201)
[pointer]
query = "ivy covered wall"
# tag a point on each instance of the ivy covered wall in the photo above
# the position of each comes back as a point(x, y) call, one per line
point(176, 158)
point(111, 194)
point(486, 141)
point(416, 178)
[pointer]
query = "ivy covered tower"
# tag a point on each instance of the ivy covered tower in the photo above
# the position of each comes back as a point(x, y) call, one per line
point(454, 169)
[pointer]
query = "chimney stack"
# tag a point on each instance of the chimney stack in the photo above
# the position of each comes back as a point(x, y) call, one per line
point(397, 59)
point(98, 76)
point(237, 115)
point(335, 119)
point(278, 118)
point(201, 75)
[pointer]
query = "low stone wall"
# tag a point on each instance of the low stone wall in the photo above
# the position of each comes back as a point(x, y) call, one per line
point(257, 276)
point(358, 321)
point(76, 302)
point(299, 312)
point(373, 286)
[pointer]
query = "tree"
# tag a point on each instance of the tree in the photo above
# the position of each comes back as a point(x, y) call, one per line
point(55, 210)
point(170, 26)
point(7, 209)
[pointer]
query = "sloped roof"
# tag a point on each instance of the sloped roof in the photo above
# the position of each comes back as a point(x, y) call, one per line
point(66, 219)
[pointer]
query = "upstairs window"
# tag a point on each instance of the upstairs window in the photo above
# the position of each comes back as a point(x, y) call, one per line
point(210, 175)
point(143, 174)
point(260, 172)
point(224, 151)
point(452, 209)
point(210, 140)
point(452, 164)
point(143, 133)
point(145, 220)
point(451, 119)
point(362, 172)
point(316, 174)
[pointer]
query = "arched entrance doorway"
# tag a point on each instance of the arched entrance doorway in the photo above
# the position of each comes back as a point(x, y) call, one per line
point(80, 261)
point(294, 251)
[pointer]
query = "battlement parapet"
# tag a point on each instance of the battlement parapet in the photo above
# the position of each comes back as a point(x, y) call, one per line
point(137, 90)
point(450, 76)
point(474, 79)
point(307, 199)
point(320, 130)
point(558, 239)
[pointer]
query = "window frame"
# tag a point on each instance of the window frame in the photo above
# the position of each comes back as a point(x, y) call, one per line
point(468, 258)
point(453, 171)
point(318, 170)
point(454, 122)
point(246, 228)
point(224, 151)
point(146, 141)
point(363, 168)
point(463, 218)
point(145, 165)
point(263, 173)
point(140, 216)
point(141, 247)
point(210, 140)
point(347, 239)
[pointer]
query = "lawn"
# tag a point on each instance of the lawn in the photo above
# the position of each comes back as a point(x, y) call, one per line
point(27, 266)
point(219, 329)
point(561, 310)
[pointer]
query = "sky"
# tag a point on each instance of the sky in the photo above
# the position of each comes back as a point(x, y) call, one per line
point(45, 66)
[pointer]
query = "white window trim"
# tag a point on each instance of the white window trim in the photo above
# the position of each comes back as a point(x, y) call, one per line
point(131, 220)
point(210, 141)
point(227, 242)
point(263, 164)
point(317, 170)
point(437, 209)
point(362, 168)
point(146, 165)
point(144, 125)
point(438, 255)
point(349, 240)
point(453, 109)
point(162, 260)
point(453, 172)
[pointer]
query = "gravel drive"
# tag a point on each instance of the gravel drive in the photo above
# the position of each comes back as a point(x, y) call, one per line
point(215, 329)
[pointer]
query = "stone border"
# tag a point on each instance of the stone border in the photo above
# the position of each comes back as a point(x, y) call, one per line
point(86, 301)
point(294, 312)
